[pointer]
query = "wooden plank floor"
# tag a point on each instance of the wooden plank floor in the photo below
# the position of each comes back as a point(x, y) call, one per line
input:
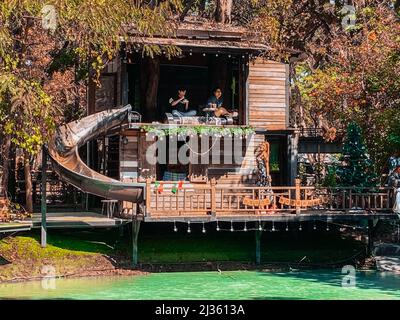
point(15, 226)
point(77, 220)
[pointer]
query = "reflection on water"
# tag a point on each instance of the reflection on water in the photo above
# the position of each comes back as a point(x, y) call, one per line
point(213, 285)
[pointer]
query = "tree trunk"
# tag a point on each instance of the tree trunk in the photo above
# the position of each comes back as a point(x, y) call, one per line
point(28, 183)
point(223, 11)
point(150, 76)
point(6, 166)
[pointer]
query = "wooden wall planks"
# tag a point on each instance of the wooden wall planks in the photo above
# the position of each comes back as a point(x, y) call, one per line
point(268, 94)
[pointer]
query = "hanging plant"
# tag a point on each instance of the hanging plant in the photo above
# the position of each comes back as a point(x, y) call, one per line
point(198, 130)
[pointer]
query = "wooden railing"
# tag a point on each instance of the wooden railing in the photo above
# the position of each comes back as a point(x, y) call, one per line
point(218, 199)
point(351, 199)
point(315, 132)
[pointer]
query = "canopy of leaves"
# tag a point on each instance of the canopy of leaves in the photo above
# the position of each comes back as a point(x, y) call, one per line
point(340, 72)
point(42, 71)
point(360, 83)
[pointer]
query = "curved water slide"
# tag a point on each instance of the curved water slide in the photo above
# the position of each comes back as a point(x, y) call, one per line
point(63, 151)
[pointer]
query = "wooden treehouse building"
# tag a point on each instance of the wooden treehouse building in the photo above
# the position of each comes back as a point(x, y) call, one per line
point(218, 188)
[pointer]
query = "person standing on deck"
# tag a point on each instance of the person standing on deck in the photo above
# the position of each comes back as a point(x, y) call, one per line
point(216, 102)
point(180, 105)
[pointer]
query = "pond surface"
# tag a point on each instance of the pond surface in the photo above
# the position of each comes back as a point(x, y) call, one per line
point(213, 285)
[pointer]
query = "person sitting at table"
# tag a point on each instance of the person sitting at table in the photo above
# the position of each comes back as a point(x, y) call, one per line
point(215, 102)
point(180, 105)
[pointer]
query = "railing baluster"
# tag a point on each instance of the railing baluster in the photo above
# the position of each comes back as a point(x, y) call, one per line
point(297, 195)
point(222, 198)
point(177, 199)
point(350, 199)
point(156, 200)
point(184, 199)
point(254, 198)
point(343, 200)
point(388, 200)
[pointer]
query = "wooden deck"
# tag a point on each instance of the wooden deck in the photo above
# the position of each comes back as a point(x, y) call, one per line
point(77, 220)
point(212, 202)
point(6, 227)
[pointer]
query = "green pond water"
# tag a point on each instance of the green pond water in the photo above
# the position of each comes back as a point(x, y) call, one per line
point(213, 285)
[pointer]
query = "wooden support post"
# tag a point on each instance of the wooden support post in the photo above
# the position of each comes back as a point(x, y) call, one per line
point(121, 230)
point(213, 201)
point(297, 191)
point(293, 141)
point(43, 228)
point(370, 246)
point(135, 234)
point(258, 243)
point(148, 198)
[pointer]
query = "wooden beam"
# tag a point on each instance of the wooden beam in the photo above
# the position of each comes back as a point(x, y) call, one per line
point(43, 227)
point(370, 246)
point(258, 235)
point(135, 235)
point(297, 192)
point(280, 217)
point(293, 140)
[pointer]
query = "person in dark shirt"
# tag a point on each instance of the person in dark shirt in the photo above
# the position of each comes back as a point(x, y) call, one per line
point(216, 102)
point(180, 105)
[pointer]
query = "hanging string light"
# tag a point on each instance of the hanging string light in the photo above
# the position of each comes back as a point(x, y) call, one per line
point(273, 228)
point(344, 225)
